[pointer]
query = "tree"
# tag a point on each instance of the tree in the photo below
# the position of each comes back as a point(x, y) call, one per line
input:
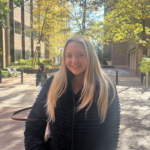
point(50, 22)
point(145, 65)
point(83, 13)
point(127, 21)
point(4, 9)
point(56, 22)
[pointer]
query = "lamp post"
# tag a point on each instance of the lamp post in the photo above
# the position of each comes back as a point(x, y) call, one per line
point(38, 48)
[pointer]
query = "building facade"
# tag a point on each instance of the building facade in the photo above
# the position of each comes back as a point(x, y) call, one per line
point(128, 58)
point(18, 41)
point(132, 54)
point(118, 58)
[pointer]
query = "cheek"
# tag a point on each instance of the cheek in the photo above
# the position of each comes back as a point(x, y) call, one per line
point(66, 61)
point(84, 61)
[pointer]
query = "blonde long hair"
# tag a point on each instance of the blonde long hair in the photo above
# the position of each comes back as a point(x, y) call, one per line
point(93, 74)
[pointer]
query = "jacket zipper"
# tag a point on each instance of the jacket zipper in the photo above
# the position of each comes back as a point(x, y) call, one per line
point(73, 123)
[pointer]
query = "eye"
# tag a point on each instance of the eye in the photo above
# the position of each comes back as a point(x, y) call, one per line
point(80, 55)
point(68, 56)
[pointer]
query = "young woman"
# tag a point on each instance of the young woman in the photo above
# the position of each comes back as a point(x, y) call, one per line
point(41, 76)
point(80, 103)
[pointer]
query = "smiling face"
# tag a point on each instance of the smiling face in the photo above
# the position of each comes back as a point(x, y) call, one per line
point(76, 58)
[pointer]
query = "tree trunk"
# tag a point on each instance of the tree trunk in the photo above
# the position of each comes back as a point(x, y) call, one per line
point(137, 61)
point(41, 34)
point(84, 16)
point(144, 47)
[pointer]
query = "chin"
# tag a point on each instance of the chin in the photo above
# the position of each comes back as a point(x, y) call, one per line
point(77, 73)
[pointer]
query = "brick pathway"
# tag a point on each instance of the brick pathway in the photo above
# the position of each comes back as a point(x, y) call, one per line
point(135, 110)
point(15, 96)
point(134, 100)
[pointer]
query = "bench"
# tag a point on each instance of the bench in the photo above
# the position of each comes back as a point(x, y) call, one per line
point(12, 71)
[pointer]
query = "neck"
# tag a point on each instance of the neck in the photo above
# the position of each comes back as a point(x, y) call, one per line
point(78, 80)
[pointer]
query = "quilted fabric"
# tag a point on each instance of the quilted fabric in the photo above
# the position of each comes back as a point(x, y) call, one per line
point(72, 130)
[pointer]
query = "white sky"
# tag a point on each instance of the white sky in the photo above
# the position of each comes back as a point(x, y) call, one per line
point(96, 16)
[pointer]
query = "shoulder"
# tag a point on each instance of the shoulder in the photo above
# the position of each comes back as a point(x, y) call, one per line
point(111, 88)
point(45, 89)
point(48, 83)
point(41, 99)
point(112, 92)
point(113, 99)
point(44, 72)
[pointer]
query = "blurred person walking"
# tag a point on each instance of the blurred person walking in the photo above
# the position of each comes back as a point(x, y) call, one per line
point(41, 76)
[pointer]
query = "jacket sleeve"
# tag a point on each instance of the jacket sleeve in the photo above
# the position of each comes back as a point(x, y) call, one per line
point(45, 74)
point(35, 130)
point(37, 82)
point(43, 79)
point(108, 134)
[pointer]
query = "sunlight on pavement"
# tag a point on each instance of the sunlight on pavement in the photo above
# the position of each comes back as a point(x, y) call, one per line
point(7, 127)
point(135, 118)
point(134, 101)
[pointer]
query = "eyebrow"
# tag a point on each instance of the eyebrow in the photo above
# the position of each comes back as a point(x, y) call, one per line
point(70, 52)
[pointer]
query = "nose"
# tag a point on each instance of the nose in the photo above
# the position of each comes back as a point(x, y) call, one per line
point(74, 59)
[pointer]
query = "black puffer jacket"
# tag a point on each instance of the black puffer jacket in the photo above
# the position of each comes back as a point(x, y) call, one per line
point(72, 130)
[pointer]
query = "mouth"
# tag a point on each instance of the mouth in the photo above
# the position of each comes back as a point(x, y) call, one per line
point(75, 67)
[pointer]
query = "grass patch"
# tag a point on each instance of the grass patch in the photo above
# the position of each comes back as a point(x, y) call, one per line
point(5, 73)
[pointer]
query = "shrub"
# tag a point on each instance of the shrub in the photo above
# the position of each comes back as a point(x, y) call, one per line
point(5, 73)
point(47, 62)
point(50, 67)
point(24, 67)
point(54, 66)
point(25, 62)
point(144, 65)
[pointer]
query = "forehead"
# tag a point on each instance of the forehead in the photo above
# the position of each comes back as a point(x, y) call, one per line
point(75, 46)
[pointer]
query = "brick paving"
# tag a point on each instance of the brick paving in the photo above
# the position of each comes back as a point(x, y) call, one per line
point(134, 101)
point(135, 110)
point(15, 96)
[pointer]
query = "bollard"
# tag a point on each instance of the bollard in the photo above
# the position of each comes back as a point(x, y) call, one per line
point(21, 75)
point(116, 77)
point(142, 77)
point(146, 80)
point(0, 76)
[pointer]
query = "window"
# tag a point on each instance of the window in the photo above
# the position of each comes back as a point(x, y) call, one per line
point(17, 27)
point(56, 59)
point(27, 7)
point(34, 7)
point(42, 55)
point(12, 54)
point(18, 54)
point(18, 4)
point(27, 31)
point(43, 39)
point(27, 55)
point(35, 34)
